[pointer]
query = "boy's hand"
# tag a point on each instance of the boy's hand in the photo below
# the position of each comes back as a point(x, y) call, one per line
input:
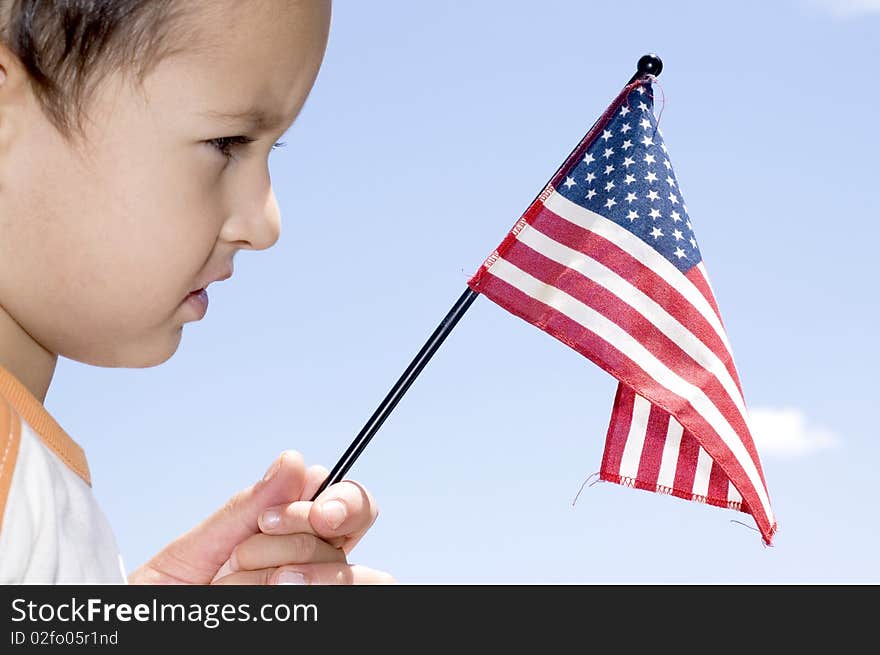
point(306, 543)
point(197, 556)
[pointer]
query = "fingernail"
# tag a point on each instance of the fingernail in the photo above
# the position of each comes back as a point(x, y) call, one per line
point(291, 577)
point(270, 519)
point(334, 513)
point(229, 566)
point(272, 469)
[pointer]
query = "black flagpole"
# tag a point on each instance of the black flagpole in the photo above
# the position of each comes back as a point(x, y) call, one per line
point(649, 64)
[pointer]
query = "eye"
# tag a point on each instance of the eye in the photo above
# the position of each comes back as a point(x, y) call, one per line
point(226, 144)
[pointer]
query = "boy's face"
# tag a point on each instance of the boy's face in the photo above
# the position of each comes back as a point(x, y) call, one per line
point(101, 245)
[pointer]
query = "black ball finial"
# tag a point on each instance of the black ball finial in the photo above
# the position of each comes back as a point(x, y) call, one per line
point(649, 64)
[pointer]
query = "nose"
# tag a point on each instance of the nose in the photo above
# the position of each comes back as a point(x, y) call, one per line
point(256, 222)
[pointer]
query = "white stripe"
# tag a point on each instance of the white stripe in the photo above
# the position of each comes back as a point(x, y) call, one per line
point(701, 474)
point(654, 368)
point(641, 302)
point(630, 243)
point(635, 440)
point(732, 494)
point(669, 459)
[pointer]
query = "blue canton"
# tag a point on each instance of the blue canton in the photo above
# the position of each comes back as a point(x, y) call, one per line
point(625, 175)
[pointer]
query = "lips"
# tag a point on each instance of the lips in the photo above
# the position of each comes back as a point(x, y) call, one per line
point(225, 274)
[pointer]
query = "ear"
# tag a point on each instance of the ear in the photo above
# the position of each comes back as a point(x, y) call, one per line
point(14, 78)
point(16, 95)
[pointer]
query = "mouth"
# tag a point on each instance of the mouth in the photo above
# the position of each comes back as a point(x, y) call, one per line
point(197, 301)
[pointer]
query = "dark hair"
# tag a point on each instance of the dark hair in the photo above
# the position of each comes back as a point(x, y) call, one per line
point(69, 46)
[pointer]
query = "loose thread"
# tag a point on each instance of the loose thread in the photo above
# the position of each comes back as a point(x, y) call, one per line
point(582, 487)
point(654, 80)
point(751, 527)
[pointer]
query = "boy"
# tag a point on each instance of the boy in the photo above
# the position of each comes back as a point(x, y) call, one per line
point(134, 137)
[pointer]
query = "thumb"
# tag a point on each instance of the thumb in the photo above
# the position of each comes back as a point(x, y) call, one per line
point(196, 556)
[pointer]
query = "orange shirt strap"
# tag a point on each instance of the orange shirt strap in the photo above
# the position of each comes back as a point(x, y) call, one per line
point(52, 434)
point(10, 437)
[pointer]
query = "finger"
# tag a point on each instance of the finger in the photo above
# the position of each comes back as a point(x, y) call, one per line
point(258, 577)
point(315, 476)
point(292, 518)
point(262, 551)
point(198, 554)
point(345, 508)
point(329, 573)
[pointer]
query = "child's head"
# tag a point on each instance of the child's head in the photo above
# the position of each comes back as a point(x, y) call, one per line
point(124, 182)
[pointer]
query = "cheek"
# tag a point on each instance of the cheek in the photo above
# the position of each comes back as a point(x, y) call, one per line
point(112, 248)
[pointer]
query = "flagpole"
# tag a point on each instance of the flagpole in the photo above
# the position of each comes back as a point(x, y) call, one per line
point(649, 64)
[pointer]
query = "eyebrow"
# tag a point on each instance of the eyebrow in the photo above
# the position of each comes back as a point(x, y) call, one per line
point(255, 118)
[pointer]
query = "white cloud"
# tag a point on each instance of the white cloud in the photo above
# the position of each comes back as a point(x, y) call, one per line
point(786, 432)
point(848, 8)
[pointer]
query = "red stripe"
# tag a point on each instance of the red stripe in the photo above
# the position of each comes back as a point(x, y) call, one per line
point(686, 468)
point(718, 483)
point(621, 419)
point(699, 280)
point(634, 323)
point(636, 273)
point(652, 450)
point(607, 357)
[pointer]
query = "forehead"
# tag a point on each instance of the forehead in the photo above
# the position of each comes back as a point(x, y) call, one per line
point(247, 63)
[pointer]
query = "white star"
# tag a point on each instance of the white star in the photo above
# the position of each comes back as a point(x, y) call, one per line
point(645, 123)
point(627, 144)
point(629, 179)
point(662, 145)
point(656, 232)
point(659, 131)
point(569, 182)
point(678, 235)
point(608, 152)
point(693, 242)
point(673, 198)
point(643, 106)
point(640, 90)
point(633, 215)
point(631, 196)
point(610, 203)
point(628, 161)
point(589, 159)
point(651, 176)
point(590, 177)
point(609, 168)
point(667, 164)
point(649, 158)
point(653, 195)
point(648, 141)
point(676, 217)
point(679, 253)
point(625, 128)
point(654, 213)
point(685, 208)
point(591, 193)
point(670, 181)
point(606, 134)
point(689, 226)
point(624, 110)
point(610, 185)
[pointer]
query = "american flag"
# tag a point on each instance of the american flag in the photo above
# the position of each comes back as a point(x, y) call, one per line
point(605, 260)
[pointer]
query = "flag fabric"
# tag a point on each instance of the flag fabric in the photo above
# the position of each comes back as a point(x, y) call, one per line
point(605, 259)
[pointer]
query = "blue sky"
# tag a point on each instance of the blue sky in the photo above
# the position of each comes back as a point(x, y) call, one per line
point(430, 129)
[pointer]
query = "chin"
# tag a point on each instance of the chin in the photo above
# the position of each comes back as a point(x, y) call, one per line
point(136, 355)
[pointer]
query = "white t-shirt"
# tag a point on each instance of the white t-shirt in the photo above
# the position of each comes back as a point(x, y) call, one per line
point(52, 530)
